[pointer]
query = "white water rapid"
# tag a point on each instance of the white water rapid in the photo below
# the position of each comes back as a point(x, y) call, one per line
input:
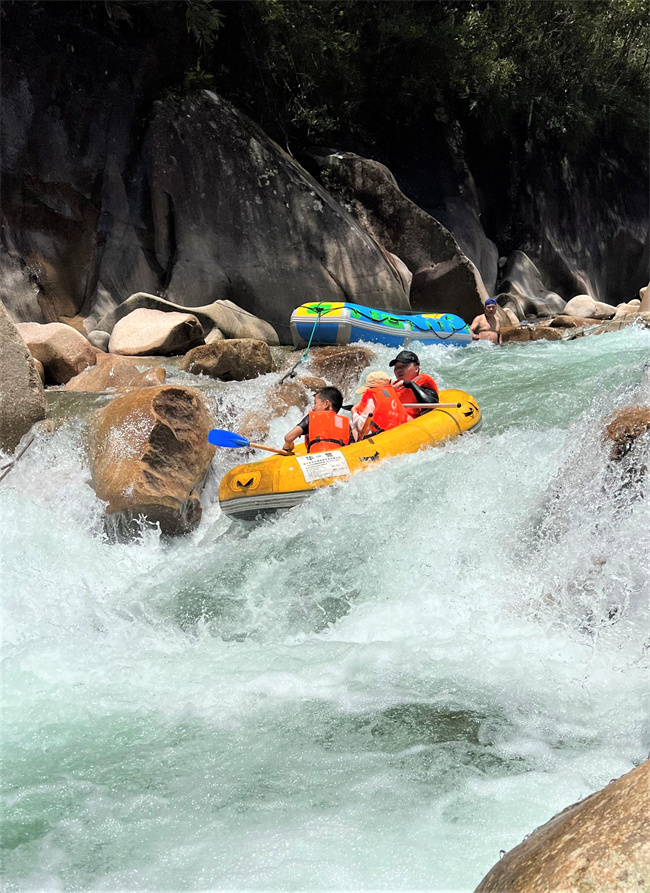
point(379, 690)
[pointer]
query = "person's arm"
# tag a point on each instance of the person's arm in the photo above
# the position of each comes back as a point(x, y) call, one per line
point(475, 326)
point(291, 436)
point(421, 395)
point(359, 418)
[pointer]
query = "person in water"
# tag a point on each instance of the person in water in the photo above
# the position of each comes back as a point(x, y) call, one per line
point(413, 386)
point(322, 428)
point(379, 409)
point(485, 327)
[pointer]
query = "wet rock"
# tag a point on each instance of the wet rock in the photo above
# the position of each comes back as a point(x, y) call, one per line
point(444, 279)
point(62, 350)
point(150, 332)
point(236, 360)
point(584, 306)
point(284, 396)
point(312, 383)
point(625, 427)
point(515, 333)
point(599, 844)
point(507, 317)
point(113, 374)
point(150, 455)
point(342, 366)
point(522, 291)
point(22, 400)
point(221, 319)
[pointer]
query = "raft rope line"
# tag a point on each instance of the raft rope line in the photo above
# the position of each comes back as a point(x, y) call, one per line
point(442, 335)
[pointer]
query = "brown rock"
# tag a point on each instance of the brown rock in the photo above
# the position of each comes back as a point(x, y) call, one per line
point(313, 384)
point(625, 427)
point(150, 454)
point(571, 322)
point(22, 400)
point(644, 297)
point(236, 360)
point(515, 333)
point(149, 378)
point(290, 393)
point(255, 425)
point(39, 368)
point(599, 845)
point(545, 333)
point(342, 366)
point(109, 374)
point(63, 352)
point(153, 332)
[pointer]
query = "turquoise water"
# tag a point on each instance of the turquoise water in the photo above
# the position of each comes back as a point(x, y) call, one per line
point(380, 690)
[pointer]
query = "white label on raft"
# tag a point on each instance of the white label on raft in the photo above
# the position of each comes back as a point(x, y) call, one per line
point(317, 466)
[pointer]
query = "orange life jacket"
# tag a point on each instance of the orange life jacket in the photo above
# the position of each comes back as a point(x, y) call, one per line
point(388, 412)
point(327, 431)
point(406, 395)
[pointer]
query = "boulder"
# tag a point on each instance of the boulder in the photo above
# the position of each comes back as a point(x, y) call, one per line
point(584, 306)
point(22, 399)
point(444, 279)
point(152, 333)
point(255, 425)
point(630, 308)
point(522, 291)
point(63, 352)
point(599, 844)
point(625, 427)
point(545, 333)
point(235, 360)
point(341, 365)
point(570, 322)
point(221, 319)
point(507, 317)
point(644, 297)
point(150, 455)
point(237, 218)
point(312, 383)
point(114, 374)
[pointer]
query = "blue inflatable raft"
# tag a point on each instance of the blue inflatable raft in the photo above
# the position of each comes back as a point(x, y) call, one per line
point(341, 323)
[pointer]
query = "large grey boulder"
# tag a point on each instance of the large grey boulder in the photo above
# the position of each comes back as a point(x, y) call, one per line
point(237, 218)
point(521, 289)
point(22, 399)
point(600, 845)
point(229, 319)
point(444, 279)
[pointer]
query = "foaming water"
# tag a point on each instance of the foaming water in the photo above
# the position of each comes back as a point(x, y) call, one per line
point(379, 690)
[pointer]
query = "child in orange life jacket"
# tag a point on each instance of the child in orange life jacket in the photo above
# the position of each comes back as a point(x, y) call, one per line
point(322, 428)
point(379, 409)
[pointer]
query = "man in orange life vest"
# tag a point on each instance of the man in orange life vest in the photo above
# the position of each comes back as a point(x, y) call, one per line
point(379, 409)
point(413, 386)
point(322, 428)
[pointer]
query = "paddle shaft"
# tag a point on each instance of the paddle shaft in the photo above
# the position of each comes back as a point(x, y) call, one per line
point(260, 446)
point(431, 405)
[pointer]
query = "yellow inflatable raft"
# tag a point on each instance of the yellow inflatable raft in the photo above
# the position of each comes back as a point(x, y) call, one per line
point(282, 482)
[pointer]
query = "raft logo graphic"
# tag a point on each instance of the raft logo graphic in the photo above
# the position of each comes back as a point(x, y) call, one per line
point(246, 481)
point(319, 466)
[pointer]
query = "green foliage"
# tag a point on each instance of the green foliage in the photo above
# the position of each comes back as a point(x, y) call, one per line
point(558, 70)
point(203, 22)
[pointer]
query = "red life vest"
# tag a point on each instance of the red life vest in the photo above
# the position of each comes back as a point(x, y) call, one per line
point(388, 412)
point(406, 395)
point(327, 431)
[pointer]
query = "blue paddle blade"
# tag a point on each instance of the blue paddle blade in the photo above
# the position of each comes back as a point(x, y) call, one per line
point(219, 437)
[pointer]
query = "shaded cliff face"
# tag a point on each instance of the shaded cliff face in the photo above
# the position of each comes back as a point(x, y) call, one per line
point(107, 193)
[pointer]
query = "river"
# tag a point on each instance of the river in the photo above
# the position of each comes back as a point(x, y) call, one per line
point(380, 690)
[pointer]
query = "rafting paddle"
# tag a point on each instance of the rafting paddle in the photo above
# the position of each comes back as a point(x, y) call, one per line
point(349, 406)
point(222, 438)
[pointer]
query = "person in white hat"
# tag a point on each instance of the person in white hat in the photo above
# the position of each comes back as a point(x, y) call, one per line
point(379, 408)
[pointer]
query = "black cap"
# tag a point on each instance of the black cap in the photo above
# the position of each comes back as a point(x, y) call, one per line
point(406, 357)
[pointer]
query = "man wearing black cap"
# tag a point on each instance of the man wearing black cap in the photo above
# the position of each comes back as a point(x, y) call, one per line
point(413, 386)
